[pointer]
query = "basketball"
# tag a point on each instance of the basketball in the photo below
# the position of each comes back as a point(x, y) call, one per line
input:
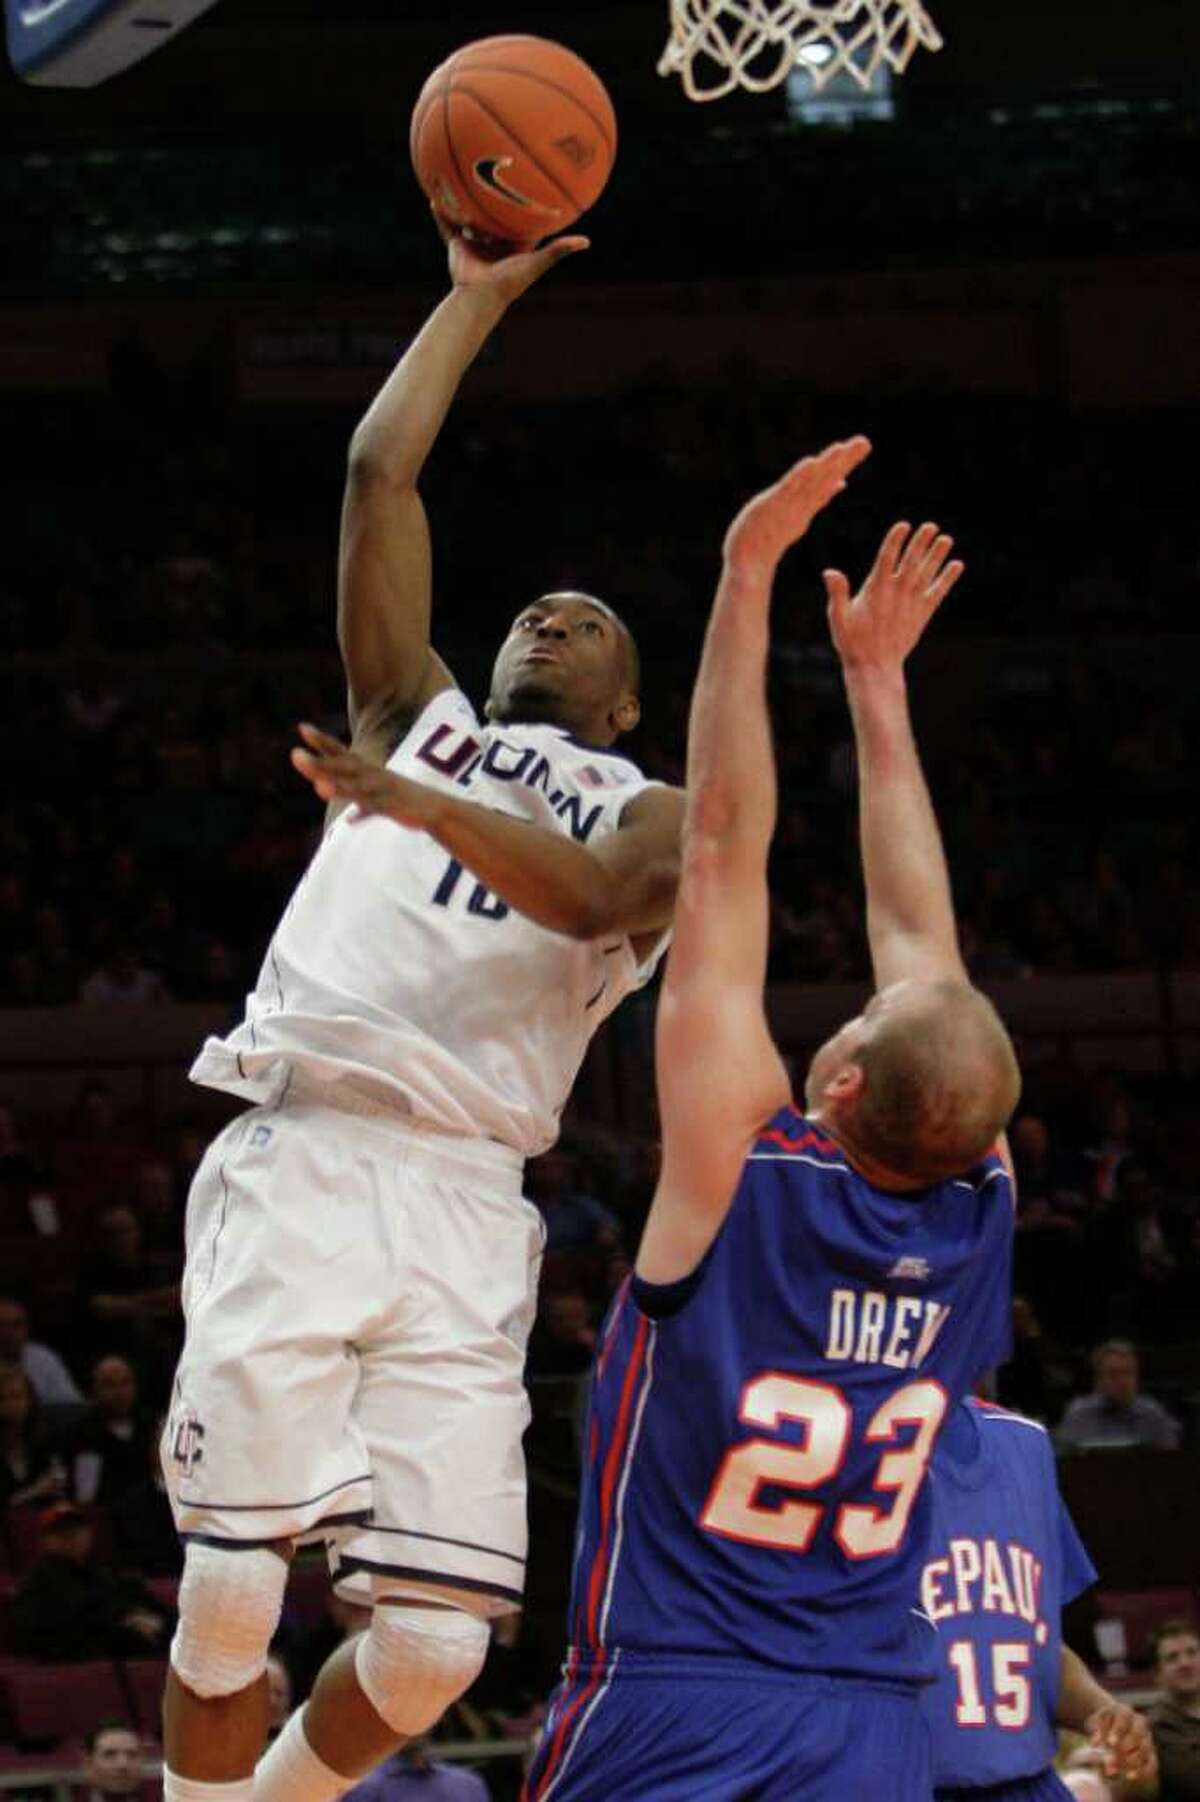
point(514, 137)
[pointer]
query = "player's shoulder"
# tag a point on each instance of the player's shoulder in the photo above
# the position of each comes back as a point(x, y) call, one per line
point(990, 1173)
point(1012, 1439)
point(789, 1137)
point(447, 711)
point(992, 1416)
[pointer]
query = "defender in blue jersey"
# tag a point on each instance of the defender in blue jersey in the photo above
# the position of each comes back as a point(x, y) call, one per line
point(1004, 1559)
point(814, 1291)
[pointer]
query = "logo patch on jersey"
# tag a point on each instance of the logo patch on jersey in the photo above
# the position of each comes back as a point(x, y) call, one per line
point(187, 1445)
point(589, 776)
point(913, 1270)
point(261, 1135)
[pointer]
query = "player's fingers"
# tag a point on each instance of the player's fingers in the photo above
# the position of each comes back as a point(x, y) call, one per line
point(305, 762)
point(852, 451)
point(887, 562)
point(935, 556)
point(939, 589)
point(558, 248)
point(318, 740)
point(837, 588)
point(917, 548)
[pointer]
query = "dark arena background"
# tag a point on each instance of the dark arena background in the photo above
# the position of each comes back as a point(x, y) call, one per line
point(991, 265)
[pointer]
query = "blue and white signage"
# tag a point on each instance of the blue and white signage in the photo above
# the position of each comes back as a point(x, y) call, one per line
point(79, 43)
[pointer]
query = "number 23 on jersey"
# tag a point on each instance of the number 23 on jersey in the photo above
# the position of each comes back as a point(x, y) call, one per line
point(734, 1507)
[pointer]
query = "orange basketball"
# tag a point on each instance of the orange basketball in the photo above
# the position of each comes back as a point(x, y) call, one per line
point(513, 136)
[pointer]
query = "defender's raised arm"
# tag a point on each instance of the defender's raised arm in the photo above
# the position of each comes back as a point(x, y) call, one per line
point(384, 560)
point(910, 913)
point(907, 1119)
point(719, 1074)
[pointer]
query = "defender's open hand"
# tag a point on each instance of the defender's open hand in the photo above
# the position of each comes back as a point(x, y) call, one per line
point(879, 626)
point(772, 522)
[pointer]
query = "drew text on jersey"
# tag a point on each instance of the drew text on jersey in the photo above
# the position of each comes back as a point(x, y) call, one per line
point(868, 1327)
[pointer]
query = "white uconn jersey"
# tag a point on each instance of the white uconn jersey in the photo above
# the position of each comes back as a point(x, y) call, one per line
point(395, 973)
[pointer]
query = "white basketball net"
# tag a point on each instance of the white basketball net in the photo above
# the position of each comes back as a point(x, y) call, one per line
point(719, 45)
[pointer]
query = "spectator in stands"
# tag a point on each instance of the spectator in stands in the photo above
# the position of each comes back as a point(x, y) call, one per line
point(1140, 1252)
point(1175, 1720)
point(1116, 1416)
point(125, 1309)
point(70, 1608)
point(154, 1201)
point(21, 1183)
point(110, 1449)
point(122, 980)
point(97, 1154)
point(143, 1527)
point(49, 1378)
point(1047, 1184)
point(411, 1775)
point(30, 1469)
point(1112, 1138)
point(1027, 1382)
point(113, 1763)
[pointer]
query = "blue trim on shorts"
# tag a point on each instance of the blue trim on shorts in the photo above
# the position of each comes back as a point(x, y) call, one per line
point(251, 1545)
point(346, 1567)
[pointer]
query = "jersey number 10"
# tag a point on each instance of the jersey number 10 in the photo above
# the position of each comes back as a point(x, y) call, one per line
point(861, 1530)
point(480, 901)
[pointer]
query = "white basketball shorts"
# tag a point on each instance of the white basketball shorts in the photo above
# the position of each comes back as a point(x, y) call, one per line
point(358, 1298)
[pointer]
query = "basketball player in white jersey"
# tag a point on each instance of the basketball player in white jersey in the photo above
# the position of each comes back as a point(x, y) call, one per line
point(362, 1266)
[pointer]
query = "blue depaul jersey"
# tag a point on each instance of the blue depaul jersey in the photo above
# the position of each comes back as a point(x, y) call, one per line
point(1003, 1560)
point(758, 1436)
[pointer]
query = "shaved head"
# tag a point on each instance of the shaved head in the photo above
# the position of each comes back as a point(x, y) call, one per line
point(939, 1080)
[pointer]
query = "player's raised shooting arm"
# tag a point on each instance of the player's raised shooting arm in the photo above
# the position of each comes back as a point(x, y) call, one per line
point(384, 558)
point(720, 1076)
point(625, 885)
point(910, 912)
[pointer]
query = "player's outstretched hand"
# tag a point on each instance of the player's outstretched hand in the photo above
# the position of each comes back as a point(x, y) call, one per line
point(911, 577)
point(506, 269)
point(339, 774)
point(1124, 1737)
point(774, 520)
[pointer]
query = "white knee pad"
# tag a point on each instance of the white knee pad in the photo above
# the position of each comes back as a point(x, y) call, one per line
point(229, 1607)
point(413, 1662)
